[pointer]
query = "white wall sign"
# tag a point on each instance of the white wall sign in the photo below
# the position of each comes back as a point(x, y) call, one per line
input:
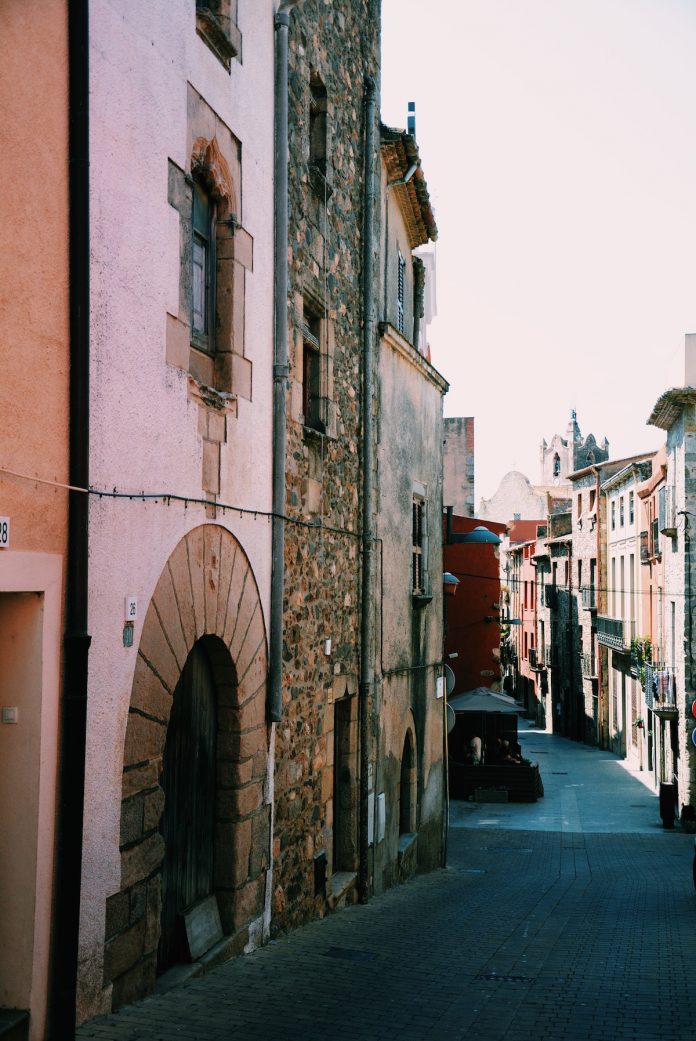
point(4, 532)
point(131, 608)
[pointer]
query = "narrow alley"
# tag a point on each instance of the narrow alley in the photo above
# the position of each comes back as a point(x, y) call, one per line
point(572, 917)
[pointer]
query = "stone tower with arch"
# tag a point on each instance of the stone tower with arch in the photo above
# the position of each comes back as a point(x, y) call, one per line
point(564, 455)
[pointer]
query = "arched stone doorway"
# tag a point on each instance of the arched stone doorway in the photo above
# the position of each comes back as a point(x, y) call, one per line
point(407, 787)
point(202, 656)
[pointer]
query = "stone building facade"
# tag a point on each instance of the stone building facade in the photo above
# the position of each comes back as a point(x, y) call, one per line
point(622, 622)
point(564, 455)
point(459, 482)
point(406, 800)
point(675, 413)
point(332, 51)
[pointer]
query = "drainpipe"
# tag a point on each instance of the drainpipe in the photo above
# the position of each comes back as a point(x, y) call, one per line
point(367, 466)
point(601, 707)
point(281, 371)
point(70, 810)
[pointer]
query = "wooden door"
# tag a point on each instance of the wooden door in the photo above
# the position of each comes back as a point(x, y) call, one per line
point(188, 821)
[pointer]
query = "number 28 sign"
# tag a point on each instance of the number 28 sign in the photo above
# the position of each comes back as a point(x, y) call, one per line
point(4, 532)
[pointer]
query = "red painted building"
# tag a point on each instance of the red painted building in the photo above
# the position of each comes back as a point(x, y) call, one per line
point(472, 628)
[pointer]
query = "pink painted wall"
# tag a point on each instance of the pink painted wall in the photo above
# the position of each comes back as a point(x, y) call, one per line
point(34, 420)
point(145, 433)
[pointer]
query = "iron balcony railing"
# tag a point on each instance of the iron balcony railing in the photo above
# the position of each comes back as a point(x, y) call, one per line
point(615, 633)
point(610, 632)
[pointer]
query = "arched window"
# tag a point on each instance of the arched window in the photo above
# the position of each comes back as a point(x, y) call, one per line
point(556, 465)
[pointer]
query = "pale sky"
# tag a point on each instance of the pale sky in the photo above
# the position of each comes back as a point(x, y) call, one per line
point(558, 140)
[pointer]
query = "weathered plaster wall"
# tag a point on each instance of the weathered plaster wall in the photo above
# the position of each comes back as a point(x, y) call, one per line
point(514, 498)
point(409, 461)
point(147, 431)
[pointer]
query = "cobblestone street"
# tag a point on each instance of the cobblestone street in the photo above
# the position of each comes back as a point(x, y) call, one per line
point(574, 917)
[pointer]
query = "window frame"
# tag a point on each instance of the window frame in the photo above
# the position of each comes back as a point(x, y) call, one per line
point(400, 292)
point(419, 546)
point(204, 339)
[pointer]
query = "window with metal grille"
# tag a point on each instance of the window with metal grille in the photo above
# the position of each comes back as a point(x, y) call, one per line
point(203, 257)
point(419, 576)
point(400, 293)
point(311, 373)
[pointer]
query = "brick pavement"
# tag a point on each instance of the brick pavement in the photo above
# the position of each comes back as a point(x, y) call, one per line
point(531, 932)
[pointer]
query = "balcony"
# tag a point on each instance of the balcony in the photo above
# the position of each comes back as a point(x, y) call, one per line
point(589, 598)
point(610, 632)
point(661, 690)
point(536, 660)
point(667, 510)
point(588, 664)
point(644, 547)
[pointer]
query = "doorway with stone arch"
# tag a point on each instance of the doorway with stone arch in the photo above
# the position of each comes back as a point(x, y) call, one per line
point(195, 820)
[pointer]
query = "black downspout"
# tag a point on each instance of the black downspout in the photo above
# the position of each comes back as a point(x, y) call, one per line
point(66, 924)
point(366, 691)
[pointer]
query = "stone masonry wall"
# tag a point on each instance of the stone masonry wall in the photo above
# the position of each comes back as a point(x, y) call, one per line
point(331, 47)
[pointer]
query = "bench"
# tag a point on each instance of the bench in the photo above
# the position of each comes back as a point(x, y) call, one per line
point(522, 783)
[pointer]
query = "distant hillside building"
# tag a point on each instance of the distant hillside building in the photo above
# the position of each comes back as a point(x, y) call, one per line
point(565, 455)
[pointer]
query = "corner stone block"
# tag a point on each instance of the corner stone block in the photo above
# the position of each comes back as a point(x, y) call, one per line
point(117, 914)
point(253, 712)
point(135, 984)
point(244, 249)
point(248, 901)
point(240, 572)
point(155, 649)
point(233, 849)
point(124, 951)
point(228, 553)
point(168, 610)
point(141, 778)
point(131, 821)
point(181, 581)
point(211, 467)
point(240, 376)
point(255, 638)
point(142, 860)
point(144, 740)
point(212, 573)
point(195, 541)
point(254, 679)
point(247, 609)
point(153, 914)
point(249, 799)
point(177, 343)
point(153, 806)
point(148, 693)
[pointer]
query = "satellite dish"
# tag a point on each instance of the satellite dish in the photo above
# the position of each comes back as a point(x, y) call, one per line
point(449, 680)
point(452, 719)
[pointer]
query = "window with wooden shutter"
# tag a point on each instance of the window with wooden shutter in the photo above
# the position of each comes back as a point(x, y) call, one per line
point(419, 552)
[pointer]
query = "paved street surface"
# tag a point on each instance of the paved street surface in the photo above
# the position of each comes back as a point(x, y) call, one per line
point(570, 918)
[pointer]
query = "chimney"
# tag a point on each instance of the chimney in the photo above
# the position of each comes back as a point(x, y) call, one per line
point(690, 360)
point(411, 119)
